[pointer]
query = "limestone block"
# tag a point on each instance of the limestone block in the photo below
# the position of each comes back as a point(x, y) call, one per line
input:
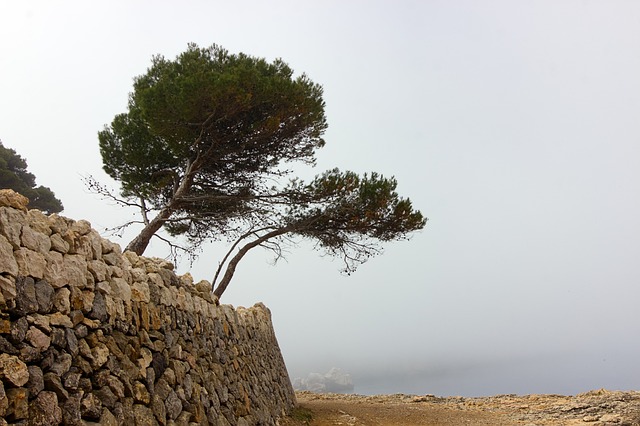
point(100, 354)
point(60, 319)
point(98, 269)
point(103, 287)
point(11, 222)
point(99, 307)
point(95, 240)
point(139, 274)
point(8, 262)
point(10, 198)
point(75, 267)
point(62, 300)
point(186, 279)
point(81, 227)
point(59, 224)
point(30, 263)
point(110, 247)
point(140, 292)
point(38, 221)
point(167, 295)
point(112, 259)
point(34, 240)
point(121, 290)
point(40, 321)
point(81, 245)
point(55, 273)
point(180, 298)
point(116, 271)
point(59, 244)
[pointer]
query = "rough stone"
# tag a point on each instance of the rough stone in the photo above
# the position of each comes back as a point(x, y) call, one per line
point(75, 267)
point(62, 300)
point(72, 380)
point(35, 384)
point(107, 397)
point(71, 410)
point(58, 338)
point(8, 291)
point(18, 403)
point(13, 369)
point(62, 364)
point(38, 221)
point(100, 355)
point(143, 415)
point(55, 274)
point(173, 405)
point(30, 263)
point(4, 401)
point(159, 410)
point(108, 419)
point(10, 198)
point(140, 393)
point(99, 309)
point(91, 407)
point(98, 269)
point(58, 244)
point(11, 222)
point(72, 342)
point(35, 240)
point(7, 347)
point(26, 301)
point(38, 339)
point(8, 262)
point(53, 383)
point(116, 339)
point(44, 296)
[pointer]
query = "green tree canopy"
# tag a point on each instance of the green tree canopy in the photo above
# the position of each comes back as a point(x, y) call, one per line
point(205, 132)
point(202, 151)
point(14, 175)
point(346, 215)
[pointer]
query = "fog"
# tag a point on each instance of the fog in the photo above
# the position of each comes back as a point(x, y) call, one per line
point(513, 126)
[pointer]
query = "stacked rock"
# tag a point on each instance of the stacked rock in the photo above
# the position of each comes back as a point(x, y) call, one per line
point(89, 335)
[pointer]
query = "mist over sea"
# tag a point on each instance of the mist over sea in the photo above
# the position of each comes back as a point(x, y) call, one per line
point(569, 376)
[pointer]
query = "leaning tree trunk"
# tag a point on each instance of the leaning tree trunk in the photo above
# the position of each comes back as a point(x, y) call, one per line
point(233, 263)
point(139, 244)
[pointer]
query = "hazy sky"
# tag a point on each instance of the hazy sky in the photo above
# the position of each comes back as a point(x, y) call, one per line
point(514, 126)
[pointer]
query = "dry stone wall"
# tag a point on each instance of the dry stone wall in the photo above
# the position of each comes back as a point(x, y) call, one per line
point(90, 335)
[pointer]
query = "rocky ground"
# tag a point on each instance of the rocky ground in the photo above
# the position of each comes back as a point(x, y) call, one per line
point(598, 408)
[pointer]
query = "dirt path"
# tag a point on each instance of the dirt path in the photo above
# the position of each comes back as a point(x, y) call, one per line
point(349, 413)
point(596, 408)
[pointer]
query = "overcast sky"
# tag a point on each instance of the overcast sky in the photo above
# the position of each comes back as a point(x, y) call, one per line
point(512, 125)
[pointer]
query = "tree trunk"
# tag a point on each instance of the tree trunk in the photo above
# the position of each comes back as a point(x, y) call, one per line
point(139, 244)
point(233, 263)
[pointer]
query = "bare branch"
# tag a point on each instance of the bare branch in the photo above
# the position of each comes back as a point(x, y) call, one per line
point(96, 187)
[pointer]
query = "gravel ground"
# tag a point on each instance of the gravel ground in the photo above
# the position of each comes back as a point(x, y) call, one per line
point(597, 408)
